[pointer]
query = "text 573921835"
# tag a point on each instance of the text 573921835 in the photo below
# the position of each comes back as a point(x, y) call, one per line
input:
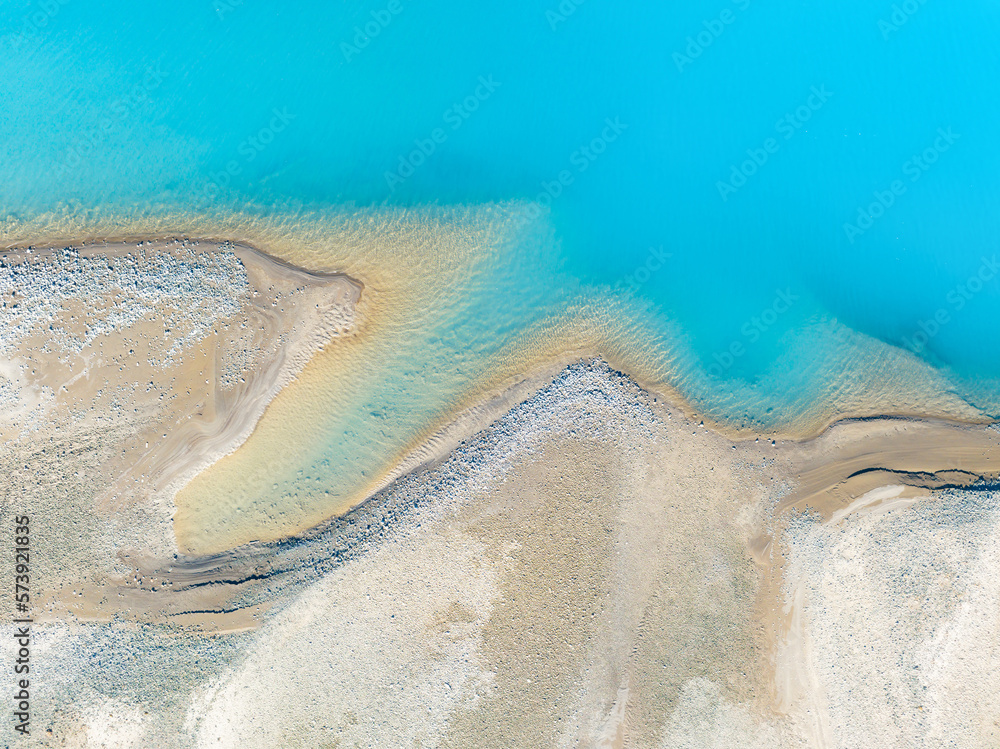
point(22, 624)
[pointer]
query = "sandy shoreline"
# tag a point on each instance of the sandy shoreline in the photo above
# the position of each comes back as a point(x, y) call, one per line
point(281, 250)
point(482, 406)
point(403, 267)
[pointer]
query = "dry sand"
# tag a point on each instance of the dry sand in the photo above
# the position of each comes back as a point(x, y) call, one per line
point(134, 367)
point(593, 569)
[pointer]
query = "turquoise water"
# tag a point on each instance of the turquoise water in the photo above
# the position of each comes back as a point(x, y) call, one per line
point(215, 104)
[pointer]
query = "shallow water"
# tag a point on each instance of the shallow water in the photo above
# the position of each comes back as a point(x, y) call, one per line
point(569, 170)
